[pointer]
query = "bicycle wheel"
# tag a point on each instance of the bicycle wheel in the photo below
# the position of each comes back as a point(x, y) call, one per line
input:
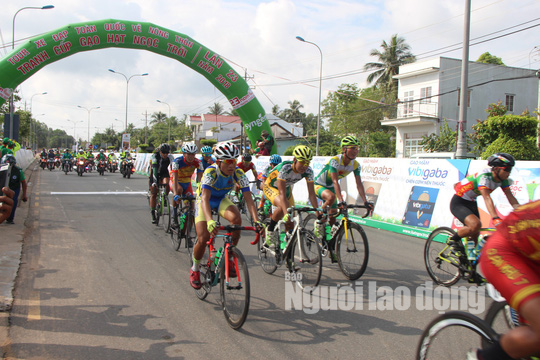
point(191, 233)
point(159, 209)
point(176, 238)
point(452, 335)
point(309, 222)
point(206, 277)
point(166, 221)
point(306, 260)
point(352, 251)
point(442, 262)
point(235, 294)
point(501, 317)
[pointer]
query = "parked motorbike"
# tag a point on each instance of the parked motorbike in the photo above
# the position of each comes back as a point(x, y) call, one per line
point(102, 165)
point(81, 167)
point(50, 164)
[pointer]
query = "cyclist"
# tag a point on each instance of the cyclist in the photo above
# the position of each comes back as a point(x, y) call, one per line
point(68, 157)
point(217, 181)
point(206, 159)
point(245, 165)
point(274, 161)
point(278, 190)
point(463, 205)
point(510, 261)
point(159, 174)
point(183, 168)
point(327, 185)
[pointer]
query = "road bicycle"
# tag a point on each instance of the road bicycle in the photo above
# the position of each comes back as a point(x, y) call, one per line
point(186, 225)
point(452, 335)
point(227, 267)
point(239, 201)
point(163, 208)
point(298, 249)
point(345, 241)
point(447, 262)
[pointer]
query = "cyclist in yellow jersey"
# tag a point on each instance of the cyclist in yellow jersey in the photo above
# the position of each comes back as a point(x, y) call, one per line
point(327, 185)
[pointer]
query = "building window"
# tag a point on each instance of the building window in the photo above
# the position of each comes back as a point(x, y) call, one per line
point(425, 95)
point(468, 97)
point(510, 102)
point(412, 144)
point(408, 97)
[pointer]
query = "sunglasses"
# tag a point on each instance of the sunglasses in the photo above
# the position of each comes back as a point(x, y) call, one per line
point(508, 169)
point(207, 155)
point(352, 147)
point(305, 163)
point(229, 161)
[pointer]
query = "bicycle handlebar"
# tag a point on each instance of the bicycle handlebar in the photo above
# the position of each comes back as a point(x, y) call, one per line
point(236, 228)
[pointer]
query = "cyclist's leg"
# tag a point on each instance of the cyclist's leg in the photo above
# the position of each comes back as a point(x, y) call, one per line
point(230, 212)
point(467, 212)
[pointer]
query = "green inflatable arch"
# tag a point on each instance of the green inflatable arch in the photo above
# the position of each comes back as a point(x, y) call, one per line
point(42, 50)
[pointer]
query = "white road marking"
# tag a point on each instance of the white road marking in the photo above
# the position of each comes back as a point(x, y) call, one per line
point(98, 192)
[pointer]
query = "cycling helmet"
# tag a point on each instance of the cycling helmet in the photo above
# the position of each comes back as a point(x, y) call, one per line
point(349, 141)
point(102, 151)
point(275, 159)
point(165, 148)
point(206, 150)
point(246, 157)
point(8, 159)
point(501, 160)
point(226, 151)
point(189, 148)
point(303, 153)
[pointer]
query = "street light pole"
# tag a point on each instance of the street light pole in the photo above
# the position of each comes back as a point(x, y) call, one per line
point(127, 89)
point(320, 90)
point(11, 107)
point(94, 108)
point(74, 129)
point(32, 98)
point(163, 102)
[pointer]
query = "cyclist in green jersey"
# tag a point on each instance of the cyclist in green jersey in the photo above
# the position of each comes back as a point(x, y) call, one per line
point(327, 185)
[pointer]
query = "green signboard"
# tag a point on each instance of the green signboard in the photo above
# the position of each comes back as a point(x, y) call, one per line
point(42, 50)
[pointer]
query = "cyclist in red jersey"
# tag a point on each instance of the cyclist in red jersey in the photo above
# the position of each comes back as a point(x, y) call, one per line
point(246, 165)
point(510, 261)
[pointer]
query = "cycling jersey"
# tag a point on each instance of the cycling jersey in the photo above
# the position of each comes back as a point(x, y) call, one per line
point(510, 258)
point(185, 170)
point(206, 163)
point(469, 188)
point(219, 184)
point(160, 166)
point(335, 165)
point(245, 168)
point(264, 174)
point(284, 171)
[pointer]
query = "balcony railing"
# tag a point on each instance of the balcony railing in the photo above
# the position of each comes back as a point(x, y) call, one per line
point(416, 109)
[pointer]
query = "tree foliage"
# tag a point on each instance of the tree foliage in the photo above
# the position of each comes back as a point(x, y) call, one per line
point(444, 142)
point(487, 58)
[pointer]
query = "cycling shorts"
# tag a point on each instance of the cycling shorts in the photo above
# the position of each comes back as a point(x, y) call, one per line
point(220, 205)
point(319, 189)
point(272, 193)
point(186, 188)
point(513, 274)
point(462, 208)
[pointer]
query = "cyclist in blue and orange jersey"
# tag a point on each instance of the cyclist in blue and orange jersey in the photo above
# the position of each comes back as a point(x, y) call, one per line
point(217, 181)
point(463, 205)
point(183, 168)
point(327, 185)
point(510, 261)
point(275, 160)
point(159, 174)
point(278, 190)
point(206, 159)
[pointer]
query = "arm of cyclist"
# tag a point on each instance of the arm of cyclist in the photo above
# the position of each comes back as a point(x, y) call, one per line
point(313, 197)
point(177, 194)
point(284, 202)
point(252, 208)
point(207, 211)
point(511, 198)
point(489, 203)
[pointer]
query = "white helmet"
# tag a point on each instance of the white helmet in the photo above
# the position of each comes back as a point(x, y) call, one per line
point(226, 150)
point(189, 148)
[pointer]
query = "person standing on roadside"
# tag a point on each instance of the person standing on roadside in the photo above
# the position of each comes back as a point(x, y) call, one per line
point(16, 179)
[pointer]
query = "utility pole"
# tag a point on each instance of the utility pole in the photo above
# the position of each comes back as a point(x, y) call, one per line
point(461, 151)
point(145, 125)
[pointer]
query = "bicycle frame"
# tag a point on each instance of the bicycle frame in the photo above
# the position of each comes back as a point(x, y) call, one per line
point(294, 236)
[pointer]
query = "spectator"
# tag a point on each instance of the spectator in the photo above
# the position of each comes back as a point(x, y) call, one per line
point(6, 203)
point(16, 179)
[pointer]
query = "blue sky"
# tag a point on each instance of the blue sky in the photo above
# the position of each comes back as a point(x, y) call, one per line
point(257, 35)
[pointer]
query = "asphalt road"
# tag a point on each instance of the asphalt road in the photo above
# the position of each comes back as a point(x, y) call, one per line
point(99, 281)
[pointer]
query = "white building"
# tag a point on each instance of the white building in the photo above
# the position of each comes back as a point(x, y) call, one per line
point(429, 93)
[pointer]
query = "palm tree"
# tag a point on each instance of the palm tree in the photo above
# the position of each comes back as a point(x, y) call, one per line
point(216, 109)
point(392, 56)
point(293, 113)
point(158, 117)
